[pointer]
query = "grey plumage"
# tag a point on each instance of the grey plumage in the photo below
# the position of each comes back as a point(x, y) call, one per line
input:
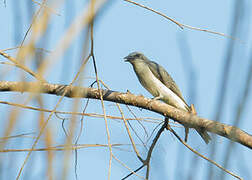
point(159, 83)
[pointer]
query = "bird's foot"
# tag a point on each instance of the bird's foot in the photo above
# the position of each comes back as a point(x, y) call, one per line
point(157, 98)
point(153, 99)
point(128, 92)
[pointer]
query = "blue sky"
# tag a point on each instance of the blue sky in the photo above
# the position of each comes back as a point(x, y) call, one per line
point(123, 28)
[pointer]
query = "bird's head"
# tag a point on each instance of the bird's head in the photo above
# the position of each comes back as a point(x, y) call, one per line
point(135, 57)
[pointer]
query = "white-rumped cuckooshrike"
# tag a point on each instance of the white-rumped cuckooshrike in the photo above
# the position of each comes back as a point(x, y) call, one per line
point(159, 83)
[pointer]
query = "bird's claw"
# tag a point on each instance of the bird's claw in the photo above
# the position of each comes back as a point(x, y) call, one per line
point(128, 92)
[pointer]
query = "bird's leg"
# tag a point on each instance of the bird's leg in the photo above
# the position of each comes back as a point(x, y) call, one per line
point(186, 133)
point(157, 98)
point(128, 92)
point(193, 111)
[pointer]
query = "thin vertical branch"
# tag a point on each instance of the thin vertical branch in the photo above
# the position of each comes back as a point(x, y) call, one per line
point(49, 117)
point(129, 134)
point(77, 140)
point(98, 84)
point(154, 142)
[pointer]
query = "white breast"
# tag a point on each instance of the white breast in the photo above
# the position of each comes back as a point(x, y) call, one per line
point(167, 95)
point(157, 88)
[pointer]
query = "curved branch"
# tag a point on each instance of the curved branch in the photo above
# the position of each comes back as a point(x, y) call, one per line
point(233, 133)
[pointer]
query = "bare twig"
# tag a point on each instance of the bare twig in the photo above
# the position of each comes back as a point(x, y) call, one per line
point(33, 20)
point(132, 171)
point(126, 122)
point(182, 26)
point(131, 139)
point(145, 131)
point(61, 147)
point(145, 119)
point(92, 5)
point(19, 65)
point(202, 156)
point(14, 136)
point(146, 162)
point(150, 9)
point(49, 117)
point(46, 7)
point(153, 145)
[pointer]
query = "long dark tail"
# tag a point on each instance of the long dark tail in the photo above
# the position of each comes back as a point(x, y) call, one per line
point(203, 133)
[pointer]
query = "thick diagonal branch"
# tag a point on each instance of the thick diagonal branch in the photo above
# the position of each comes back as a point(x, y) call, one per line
point(193, 121)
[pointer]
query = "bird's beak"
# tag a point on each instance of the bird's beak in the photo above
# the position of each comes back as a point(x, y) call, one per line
point(127, 59)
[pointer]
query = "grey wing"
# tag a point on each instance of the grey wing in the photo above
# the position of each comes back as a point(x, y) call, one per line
point(164, 77)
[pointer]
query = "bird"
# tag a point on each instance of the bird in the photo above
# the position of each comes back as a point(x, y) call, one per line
point(157, 81)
